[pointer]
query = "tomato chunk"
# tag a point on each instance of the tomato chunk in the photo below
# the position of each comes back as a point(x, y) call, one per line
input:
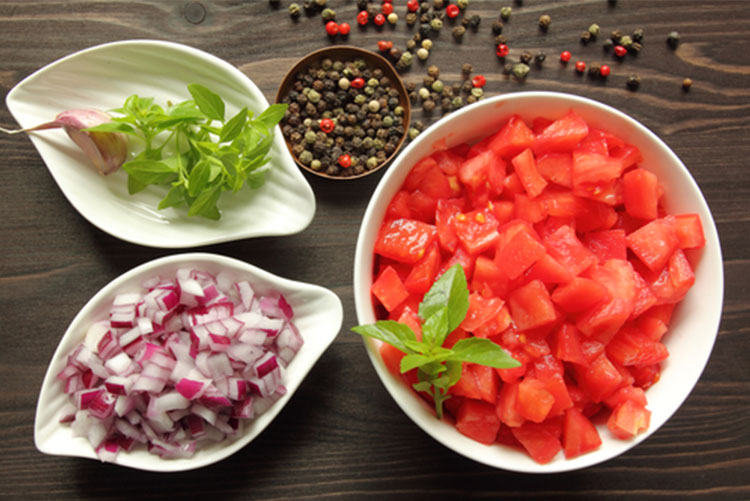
point(562, 135)
point(525, 167)
point(579, 434)
point(531, 306)
point(389, 289)
point(477, 420)
point(405, 240)
point(628, 419)
point(654, 243)
point(541, 445)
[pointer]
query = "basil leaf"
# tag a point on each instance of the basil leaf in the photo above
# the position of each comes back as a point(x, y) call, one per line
point(484, 352)
point(149, 171)
point(198, 178)
point(208, 102)
point(205, 204)
point(233, 127)
point(175, 197)
point(435, 328)
point(415, 360)
point(451, 291)
point(272, 115)
point(134, 186)
point(389, 331)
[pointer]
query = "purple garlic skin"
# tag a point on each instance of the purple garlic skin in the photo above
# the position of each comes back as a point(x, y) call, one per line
point(106, 150)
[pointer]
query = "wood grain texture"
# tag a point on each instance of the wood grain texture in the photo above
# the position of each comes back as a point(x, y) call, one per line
point(342, 436)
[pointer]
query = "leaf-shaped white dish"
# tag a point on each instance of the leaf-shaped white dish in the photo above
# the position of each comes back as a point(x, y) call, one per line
point(102, 77)
point(318, 314)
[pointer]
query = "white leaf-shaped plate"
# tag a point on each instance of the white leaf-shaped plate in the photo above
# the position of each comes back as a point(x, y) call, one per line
point(103, 77)
point(318, 314)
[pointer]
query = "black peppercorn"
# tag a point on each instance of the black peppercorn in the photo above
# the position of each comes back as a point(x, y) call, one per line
point(673, 39)
point(474, 22)
point(633, 82)
point(638, 35)
point(526, 57)
point(585, 37)
point(458, 33)
point(539, 58)
point(501, 39)
point(616, 35)
point(497, 27)
point(608, 45)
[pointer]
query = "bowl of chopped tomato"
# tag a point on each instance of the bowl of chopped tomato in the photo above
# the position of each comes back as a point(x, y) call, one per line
point(590, 256)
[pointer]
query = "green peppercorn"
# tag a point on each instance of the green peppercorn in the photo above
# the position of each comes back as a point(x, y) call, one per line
point(306, 157)
point(457, 102)
point(338, 66)
point(369, 91)
point(437, 4)
point(477, 92)
point(424, 93)
point(387, 121)
point(505, 13)
point(436, 24)
point(310, 136)
point(313, 96)
point(413, 133)
point(326, 64)
point(673, 39)
point(438, 86)
point(406, 59)
point(294, 9)
point(633, 82)
point(544, 21)
point(411, 45)
point(626, 41)
point(360, 99)
point(458, 33)
point(328, 14)
point(372, 162)
point(520, 70)
point(594, 30)
point(316, 164)
point(462, 4)
point(427, 44)
point(471, 100)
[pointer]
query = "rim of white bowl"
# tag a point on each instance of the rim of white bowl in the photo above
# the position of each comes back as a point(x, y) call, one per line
point(363, 260)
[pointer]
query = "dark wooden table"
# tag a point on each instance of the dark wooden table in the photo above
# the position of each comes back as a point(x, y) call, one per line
point(342, 436)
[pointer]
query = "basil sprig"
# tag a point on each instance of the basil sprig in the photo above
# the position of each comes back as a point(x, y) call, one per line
point(441, 311)
point(192, 148)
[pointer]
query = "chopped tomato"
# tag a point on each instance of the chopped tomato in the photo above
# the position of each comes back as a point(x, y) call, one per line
point(530, 306)
point(631, 347)
point(579, 434)
point(525, 167)
point(476, 230)
point(654, 243)
point(688, 229)
point(389, 289)
point(405, 240)
point(562, 135)
point(477, 420)
point(628, 419)
point(641, 193)
point(541, 445)
point(556, 168)
point(424, 272)
point(567, 249)
point(534, 401)
point(568, 345)
point(514, 137)
point(518, 254)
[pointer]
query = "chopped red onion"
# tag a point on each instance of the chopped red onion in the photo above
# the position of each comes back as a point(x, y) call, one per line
point(183, 362)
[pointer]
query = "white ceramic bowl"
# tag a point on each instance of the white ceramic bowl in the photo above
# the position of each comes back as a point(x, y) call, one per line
point(317, 313)
point(103, 77)
point(695, 322)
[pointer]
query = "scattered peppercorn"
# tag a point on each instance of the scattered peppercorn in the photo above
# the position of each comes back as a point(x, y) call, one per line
point(427, 44)
point(332, 28)
point(638, 35)
point(586, 37)
point(497, 27)
point(544, 21)
point(526, 57)
point(433, 71)
point(428, 105)
point(608, 45)
point(474, 22)
point(411, 19)
point(520, 70)
point(594, 70)
point(580, 66)
point(620, 51)
point(687, 83)
point(505, 13)
point(633, 82)
point(604, 71)
point(344, 29)
point(363, 17)
point(673, 39)
point(478, 81)
point(502, 50)
point(328, 14)
point(565, 56)
point(501, 39)
point(635, 48)
point(616, 35)
point(423, 53)
point(379, 19)
point(294, 10)
point(462, 4)
point(539, 58)
point(452, 11)
point(594, 30)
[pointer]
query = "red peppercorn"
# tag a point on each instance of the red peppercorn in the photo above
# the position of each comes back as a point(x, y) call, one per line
point(452, 10)
point(502, 50)
point(379, 20)
point(580, 66)
point(344, 29)
point(605, 70)
point(332, 28)
point(412, 5)
point(479, 80)
point(387, 8)
point(363, 17)
point(620, 51)
point(327, 125)
point(345, 160)
point(565, 56)
point(385, 45)
point(358, 83)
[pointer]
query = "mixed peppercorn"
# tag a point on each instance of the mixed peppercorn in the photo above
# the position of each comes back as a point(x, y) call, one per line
point(344, 118)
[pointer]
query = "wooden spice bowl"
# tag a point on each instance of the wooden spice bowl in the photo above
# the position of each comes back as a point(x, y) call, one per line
point(346, 54)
